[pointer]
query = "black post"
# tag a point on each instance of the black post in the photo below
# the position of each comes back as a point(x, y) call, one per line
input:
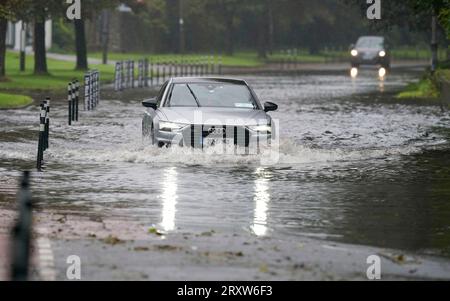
point(21, 244)
point(73, 100)
point(40, 155)
point(77, 98)
point(69, 101)
point(47, 122)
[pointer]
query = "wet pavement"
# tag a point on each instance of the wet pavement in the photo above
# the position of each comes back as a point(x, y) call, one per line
point(355, 167)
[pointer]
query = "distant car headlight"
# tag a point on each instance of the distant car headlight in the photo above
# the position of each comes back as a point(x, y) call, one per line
point(354, 52)
point(261, 128)
point(166, 126)
point(382, 53)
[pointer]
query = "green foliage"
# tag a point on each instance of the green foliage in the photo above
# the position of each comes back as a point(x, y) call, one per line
point(11, 101)
point(63, 36)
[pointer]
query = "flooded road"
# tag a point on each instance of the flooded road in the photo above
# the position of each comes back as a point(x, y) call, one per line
point(354, 166)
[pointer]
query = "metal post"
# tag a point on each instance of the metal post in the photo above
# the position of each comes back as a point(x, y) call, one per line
point(146, 72)
point(21, 244)
point(157, 73)
point(164, 72)
point(47, 123)
point(220, 65)
point(23, 38)
point(121, 76)
point(132, 74)
point(69, 101)
point(86, 92)
point(40, 155)
point(116, 73)
point(73, 100)
point(151, 72)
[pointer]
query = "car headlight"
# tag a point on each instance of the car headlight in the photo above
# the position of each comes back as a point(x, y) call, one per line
point(166, 126)
point(382, 53)
point(354, 52)
point(261, 128)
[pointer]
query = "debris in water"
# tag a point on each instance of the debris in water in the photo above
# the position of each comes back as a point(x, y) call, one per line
point(112, 240)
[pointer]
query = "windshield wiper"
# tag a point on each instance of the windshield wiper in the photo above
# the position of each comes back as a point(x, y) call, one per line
point(193, 94)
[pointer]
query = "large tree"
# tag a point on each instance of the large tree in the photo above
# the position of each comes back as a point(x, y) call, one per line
point(8, 11)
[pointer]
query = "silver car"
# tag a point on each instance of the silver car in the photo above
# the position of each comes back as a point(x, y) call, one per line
point(204, 112)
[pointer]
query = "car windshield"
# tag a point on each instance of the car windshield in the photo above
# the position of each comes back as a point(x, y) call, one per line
point(370, 42)
point(223, 95)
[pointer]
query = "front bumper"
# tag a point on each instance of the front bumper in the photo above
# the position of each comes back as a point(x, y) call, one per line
point(203, 136)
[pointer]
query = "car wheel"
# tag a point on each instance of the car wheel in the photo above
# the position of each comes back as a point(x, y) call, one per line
point(147, 133)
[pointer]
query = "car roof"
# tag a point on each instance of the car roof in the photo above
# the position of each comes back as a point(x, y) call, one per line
point(188, 80)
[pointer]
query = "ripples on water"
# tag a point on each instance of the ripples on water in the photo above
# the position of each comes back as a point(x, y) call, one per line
point(351, 167)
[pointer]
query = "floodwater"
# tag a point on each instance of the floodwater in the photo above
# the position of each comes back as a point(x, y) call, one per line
point(354, 166)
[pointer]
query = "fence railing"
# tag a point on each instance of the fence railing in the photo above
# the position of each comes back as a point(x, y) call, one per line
point(152, 73)
point(44, 132)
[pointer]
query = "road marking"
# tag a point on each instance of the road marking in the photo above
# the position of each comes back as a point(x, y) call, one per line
point(46, 260)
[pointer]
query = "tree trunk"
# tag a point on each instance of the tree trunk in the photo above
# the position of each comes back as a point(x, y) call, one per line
point(3, 28)
point(271, 26)
point(230, 36)
point(80, 45)
point(262, 37)
point(40, 53)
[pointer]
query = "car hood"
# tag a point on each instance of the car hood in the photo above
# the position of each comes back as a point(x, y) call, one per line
point(215, 116)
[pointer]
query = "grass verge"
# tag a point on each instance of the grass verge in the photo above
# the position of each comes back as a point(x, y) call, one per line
point(60, 73)
point(10, 101)
point(427, 87)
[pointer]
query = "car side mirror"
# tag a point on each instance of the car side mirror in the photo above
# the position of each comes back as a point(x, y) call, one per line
point(150, 103)
point(270, 107)
point(351, 47)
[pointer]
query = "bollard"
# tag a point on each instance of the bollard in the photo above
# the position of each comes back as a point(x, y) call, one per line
point(40, 155)
point(46, 108)
point(73, 89)
point(47, 125)
point(21, 234)
point(69, 101)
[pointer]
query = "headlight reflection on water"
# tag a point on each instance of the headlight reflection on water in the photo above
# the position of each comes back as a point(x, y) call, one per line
point(261, 199)
point(169, 198)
